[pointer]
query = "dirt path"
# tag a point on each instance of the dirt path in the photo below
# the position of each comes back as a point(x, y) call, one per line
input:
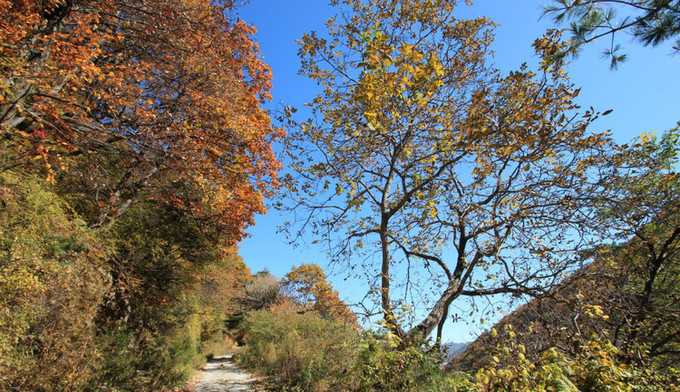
point(221, 374)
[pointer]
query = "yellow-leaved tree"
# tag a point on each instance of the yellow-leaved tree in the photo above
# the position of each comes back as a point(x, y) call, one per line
point(440, 175)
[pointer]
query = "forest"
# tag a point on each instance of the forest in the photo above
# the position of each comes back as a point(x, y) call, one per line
point(141, 139)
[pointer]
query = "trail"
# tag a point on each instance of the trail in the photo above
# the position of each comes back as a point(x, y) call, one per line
point(221, 374)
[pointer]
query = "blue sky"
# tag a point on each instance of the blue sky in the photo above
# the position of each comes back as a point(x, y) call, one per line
point(643, 94)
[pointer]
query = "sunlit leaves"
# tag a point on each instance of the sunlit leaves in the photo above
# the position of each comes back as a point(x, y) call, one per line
point(308, 287)
point(175, 86)
point(435, 149)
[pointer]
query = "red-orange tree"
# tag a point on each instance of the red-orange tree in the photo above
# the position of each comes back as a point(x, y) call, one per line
point(172, 88)
point(424, 158)
point(308, 287)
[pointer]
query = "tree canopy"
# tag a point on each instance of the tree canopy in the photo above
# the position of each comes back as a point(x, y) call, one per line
point(174, 87)
point(134, 152)
point(308, 287)
point(421, 152)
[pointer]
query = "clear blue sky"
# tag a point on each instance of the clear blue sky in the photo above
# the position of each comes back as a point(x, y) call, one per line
point(643, 93)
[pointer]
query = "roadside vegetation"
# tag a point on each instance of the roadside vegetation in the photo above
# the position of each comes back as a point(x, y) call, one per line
point(135, 151)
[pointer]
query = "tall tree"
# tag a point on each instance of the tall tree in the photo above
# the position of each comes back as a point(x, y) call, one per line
point(173, 87)
point(650, 22)
point(424, 155)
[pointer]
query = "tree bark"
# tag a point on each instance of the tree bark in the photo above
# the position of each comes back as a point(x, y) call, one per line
point(437, 314)
point(388, 313)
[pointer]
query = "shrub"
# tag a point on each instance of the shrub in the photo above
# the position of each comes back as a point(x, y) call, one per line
point(594, 369)
point(51, 281)
point(381, 366)
point(301, 352)
point(173, 285)
point(144, 360)
point(306, 352)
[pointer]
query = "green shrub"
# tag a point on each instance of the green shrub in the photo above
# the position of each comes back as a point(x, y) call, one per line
point(52, 279)
point(594, 369)
point(305, 352)
point(135, 361)
point(173, 285)
point(301, 352)
point(142, 360)
point(136, 307)
point(383, 367)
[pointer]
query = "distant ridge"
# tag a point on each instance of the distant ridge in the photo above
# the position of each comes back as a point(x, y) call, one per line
point(452, 349)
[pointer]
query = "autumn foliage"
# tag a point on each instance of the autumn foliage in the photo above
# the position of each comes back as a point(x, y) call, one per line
point(308, 287)
point(52, 281)
point(175, 85)
point(419, 144)
point(134, 153)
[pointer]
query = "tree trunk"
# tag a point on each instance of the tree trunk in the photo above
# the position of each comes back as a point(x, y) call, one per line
point(440, 327)
point(388, 313)
point(437, 314)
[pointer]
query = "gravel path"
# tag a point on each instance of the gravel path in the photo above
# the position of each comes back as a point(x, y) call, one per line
point(221, 374)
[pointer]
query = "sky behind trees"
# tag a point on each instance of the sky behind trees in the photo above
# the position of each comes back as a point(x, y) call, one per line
point(643, 97)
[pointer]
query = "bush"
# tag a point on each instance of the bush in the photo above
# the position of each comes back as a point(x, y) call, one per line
point(306, 352)
point(173, 285)
point(301, 352)
point(133, 307)
point(381, 366)
point(52, 280)
point(594, 369)
point(144, 360)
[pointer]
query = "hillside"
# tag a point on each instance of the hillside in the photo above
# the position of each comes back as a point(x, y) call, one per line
point(545, 322)
point(628, 296)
